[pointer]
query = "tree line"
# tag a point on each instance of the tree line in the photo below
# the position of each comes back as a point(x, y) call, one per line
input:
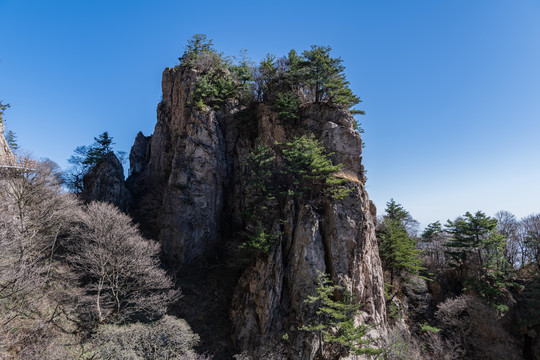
point(285, 83)
point(474, 264)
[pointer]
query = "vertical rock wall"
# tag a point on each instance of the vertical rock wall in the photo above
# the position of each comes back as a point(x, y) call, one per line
point(332, 236)
point(188, 182)
point(179, 185)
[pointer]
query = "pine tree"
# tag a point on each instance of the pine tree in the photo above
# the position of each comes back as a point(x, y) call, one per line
point(101, 147)
point(473, 237)
point(433, 239)
point(476, 250)
point(325, 77)
point(85, 158)
point(398, 250)
point(3, 108)
point(198, 45)
point(11, 139)
point(309, 170)
point(335, 319)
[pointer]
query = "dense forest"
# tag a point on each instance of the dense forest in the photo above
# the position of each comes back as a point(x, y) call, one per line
point(81, 278)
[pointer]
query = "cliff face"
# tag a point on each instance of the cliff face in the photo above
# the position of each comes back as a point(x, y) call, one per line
point(105, 182)
point(4, 147)
point(189, 186)
point(181, 179)
point(335, 236)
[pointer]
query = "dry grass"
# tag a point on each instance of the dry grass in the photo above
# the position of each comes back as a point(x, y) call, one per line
point(349, 176)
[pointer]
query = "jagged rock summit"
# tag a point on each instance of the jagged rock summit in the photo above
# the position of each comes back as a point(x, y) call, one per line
point(105, 182)
point(189, 185)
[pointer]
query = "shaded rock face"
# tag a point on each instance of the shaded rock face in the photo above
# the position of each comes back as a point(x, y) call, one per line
point(189, 186)
point(105, 182)
point(179, 185)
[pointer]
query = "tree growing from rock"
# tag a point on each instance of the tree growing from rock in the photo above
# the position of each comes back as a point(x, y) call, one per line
point(296, 169)
point(85, 158)
point(3, 108)
point(325, 78)
point(335, 319)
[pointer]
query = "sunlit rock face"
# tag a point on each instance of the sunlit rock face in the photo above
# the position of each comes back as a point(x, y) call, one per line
point(4, 147)
point(189, 186)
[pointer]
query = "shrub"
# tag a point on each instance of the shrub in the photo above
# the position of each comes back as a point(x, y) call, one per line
point(472, 324)
point(168, 338)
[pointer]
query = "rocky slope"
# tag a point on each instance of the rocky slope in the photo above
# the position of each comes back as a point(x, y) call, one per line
point(188, 182)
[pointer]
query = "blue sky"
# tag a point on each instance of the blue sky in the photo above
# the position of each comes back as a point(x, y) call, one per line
point(450, 88)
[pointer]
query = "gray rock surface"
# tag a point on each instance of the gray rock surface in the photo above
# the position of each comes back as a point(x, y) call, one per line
point(4, 147)
point(188, 182)
point(105, 182)
point(180, 182)
point(336, 237)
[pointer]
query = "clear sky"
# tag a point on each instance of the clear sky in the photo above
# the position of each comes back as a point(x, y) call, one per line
point(450, 88)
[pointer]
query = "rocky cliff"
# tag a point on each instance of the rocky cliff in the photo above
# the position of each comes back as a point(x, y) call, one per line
point(105, 182)
point(189, 186)
point(4, 147)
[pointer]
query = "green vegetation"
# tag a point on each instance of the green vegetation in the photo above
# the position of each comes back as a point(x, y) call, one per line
point(308, 170)
point(428, 328)
point(531, 240)
point(476, 250)
point(3, 108)
point(335, 321)
point(285, 83)
point(86, 158)
point(397, 248)
point(11, 139)
point(10, 136)
point(260, 240)
point(324, 77)
point(216, 81)
point(297, 169)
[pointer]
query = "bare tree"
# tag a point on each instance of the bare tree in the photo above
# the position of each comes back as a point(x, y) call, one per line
point(531, 232)
point(119, 270)
point(34, 213)
point(508, 226)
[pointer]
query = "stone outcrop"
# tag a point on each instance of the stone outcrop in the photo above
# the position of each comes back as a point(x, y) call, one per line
point(181, 184)
point(333, 236)
point(4, 147)
point(105, 182)
point(189, 187)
